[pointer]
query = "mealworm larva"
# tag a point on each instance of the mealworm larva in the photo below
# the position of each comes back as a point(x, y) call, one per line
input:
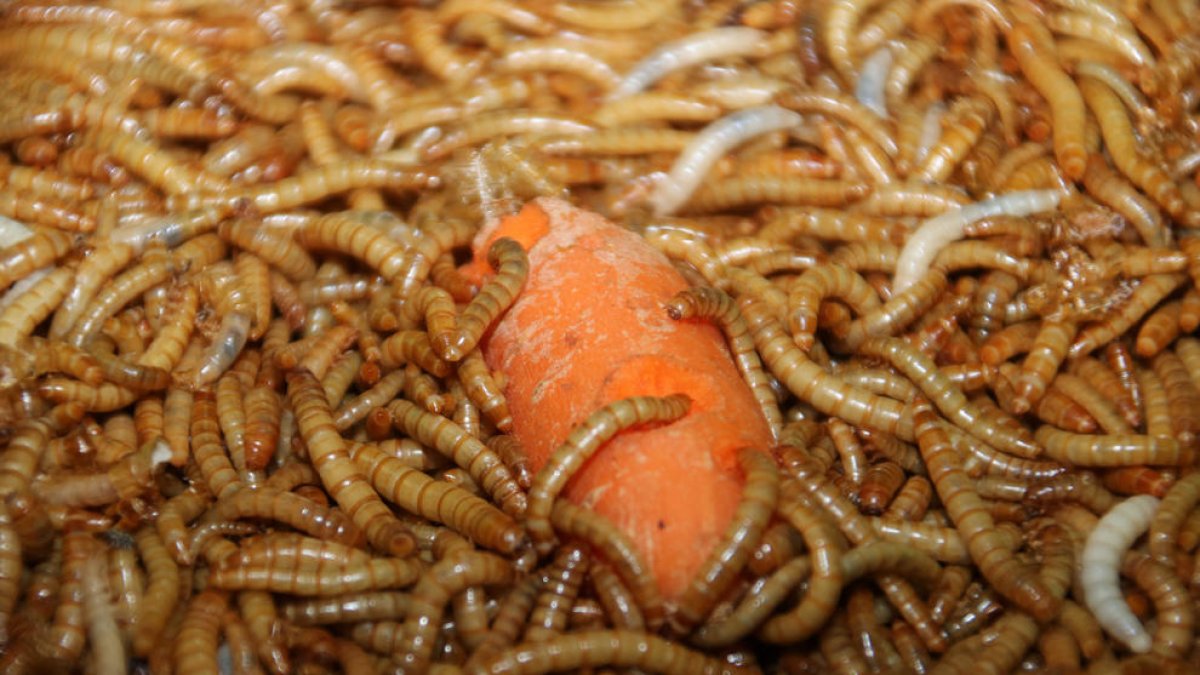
point(714, 304)
point(1040, 66)
point(1112, 450)
point(694, 49)
point(965, 123)
point(208, 450)
point(454, 442)
point(1183, 398)
point(994, 559)
point(1046, 354)
point(784, 223)
point(300, 565)
point(1100, 379)
point(560, 588)
point(446, 578)
point(812, 287)
point(382, 392)
point(10, 571)
point(417, 493)
point(346, 484)
point(302, 514)
point(280, 252)
point(1115, 191)
point(813, 385)
point(33, 304)
point(195, 647)
point(481, 388)
point(924, 244)
point(1144, 297)
point(497, 294)
point(1168, 520)
point(108, 650)
point(348, 608)
point(161, 594)
point(19, 259)
point(618, 648)
point(759, 496)
point(1122, 148)
point(1176, 617)
point(583, 441)
point(617, 549)
point(820, 601)
point(716, 140)
point(1101, 556)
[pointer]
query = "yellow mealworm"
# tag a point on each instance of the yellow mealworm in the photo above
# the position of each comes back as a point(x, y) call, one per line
point(560, 588)
point(416, 492)
point(447, 577)
point(994, 559)
point(304, 566)
point(723, 564)
point(583, 441)
point(346, 484)
point(512, 267)
point(455, 443)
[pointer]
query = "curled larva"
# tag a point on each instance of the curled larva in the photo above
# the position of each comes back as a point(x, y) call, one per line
point(933, 234)
point(718, 138)
point(1100, 560)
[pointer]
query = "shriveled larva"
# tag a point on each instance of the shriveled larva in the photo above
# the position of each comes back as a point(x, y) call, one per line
point(1101, 557)
point(993, 557)
point(879, 485)
point(346, 484)
point(512, 267)
point(1105, 382)
point(759, 496)
point(454, 442)
point(583, 441)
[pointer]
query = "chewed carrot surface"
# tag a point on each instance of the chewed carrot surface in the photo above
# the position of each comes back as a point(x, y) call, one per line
point(590, 328)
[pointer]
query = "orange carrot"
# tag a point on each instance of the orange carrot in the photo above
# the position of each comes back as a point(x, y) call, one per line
point(589, 328)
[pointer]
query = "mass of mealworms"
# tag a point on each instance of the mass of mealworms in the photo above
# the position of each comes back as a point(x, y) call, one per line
point(285, 385)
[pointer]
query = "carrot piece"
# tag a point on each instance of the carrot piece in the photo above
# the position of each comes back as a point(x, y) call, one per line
point(590, 328)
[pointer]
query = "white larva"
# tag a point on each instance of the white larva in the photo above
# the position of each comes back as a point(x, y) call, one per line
point(710, 145)
point(1101, 559)
point(718, 43)
point(933, 234)
point(871, 80)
